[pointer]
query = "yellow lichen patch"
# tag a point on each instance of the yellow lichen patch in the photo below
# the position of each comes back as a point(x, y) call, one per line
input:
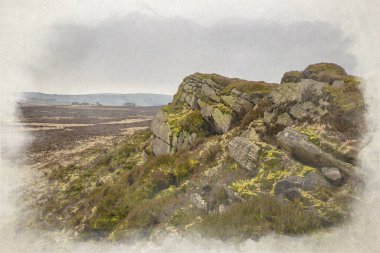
point(307, 169)
point(169, 191)
point(224, 109)
point(313, 132)
point(187, 120)
point(320, 200)
point(174, 120)
point(245, 188)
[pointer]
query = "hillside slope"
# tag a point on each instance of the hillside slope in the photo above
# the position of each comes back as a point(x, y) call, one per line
point(227, 158)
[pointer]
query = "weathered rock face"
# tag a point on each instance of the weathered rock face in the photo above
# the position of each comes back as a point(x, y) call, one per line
point(222, 121)
point(244, 152)
point(296, 142)
point(221, 101)
point(299, 145)
point(295, 103)
point(160, 147)
point(161, 134)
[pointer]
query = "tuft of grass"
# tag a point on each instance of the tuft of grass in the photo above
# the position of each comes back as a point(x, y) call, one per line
point(291, 77)
point(193, 122)
point(211, 152)
point(312, 132)
point(259, 216)
point(325, 72)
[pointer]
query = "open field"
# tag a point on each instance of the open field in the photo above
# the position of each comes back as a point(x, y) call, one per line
point(67, 134)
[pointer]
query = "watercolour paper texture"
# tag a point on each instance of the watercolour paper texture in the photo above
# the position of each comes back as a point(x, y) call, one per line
point(189, 126)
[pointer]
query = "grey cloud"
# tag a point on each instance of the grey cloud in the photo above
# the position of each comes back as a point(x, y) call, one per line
point(157, 52)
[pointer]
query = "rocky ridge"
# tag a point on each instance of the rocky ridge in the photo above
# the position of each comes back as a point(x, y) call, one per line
point(228, 158)
point(296, 139)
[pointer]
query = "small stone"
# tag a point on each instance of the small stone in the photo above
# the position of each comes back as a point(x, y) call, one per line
point(268, 116)
point(222, 208)
point(292, 193)
point(144, 156)
point(287, 183)
point(313, 181)
point(332, 174)
point(284, 120)
point(98, 182)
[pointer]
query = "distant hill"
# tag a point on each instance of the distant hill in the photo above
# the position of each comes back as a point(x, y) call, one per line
point(111, 99)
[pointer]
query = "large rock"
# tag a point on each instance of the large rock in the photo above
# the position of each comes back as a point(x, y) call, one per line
point(223, 121)
point(160, 147)
point(161, 134)
point(299, 145)
point(244, 152)
point(209, 92)
point(206, 109)
point(299, 100)
point(160, 126)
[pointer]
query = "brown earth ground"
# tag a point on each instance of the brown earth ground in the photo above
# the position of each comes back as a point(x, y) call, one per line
point(63, 135)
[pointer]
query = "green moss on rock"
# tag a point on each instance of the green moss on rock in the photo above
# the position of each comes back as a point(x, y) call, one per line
point(291, 77)
point(250, 87)
point(324, 72)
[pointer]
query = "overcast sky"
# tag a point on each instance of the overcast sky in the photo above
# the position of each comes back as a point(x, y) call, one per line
point(149, 46)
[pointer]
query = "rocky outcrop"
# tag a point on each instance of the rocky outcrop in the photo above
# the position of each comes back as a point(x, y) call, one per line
point(295, 103)
point(244, 152)
point(221, 101)
point(295, 142)
point(282, 157)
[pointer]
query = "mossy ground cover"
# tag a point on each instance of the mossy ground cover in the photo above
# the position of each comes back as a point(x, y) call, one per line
point(119, 191)
point(182, 118)
point(250, 87)
point(228, 84)
point(275, 165)
point(331, 141)
point(291, 77)
point(325, 72)
point(349, 97)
